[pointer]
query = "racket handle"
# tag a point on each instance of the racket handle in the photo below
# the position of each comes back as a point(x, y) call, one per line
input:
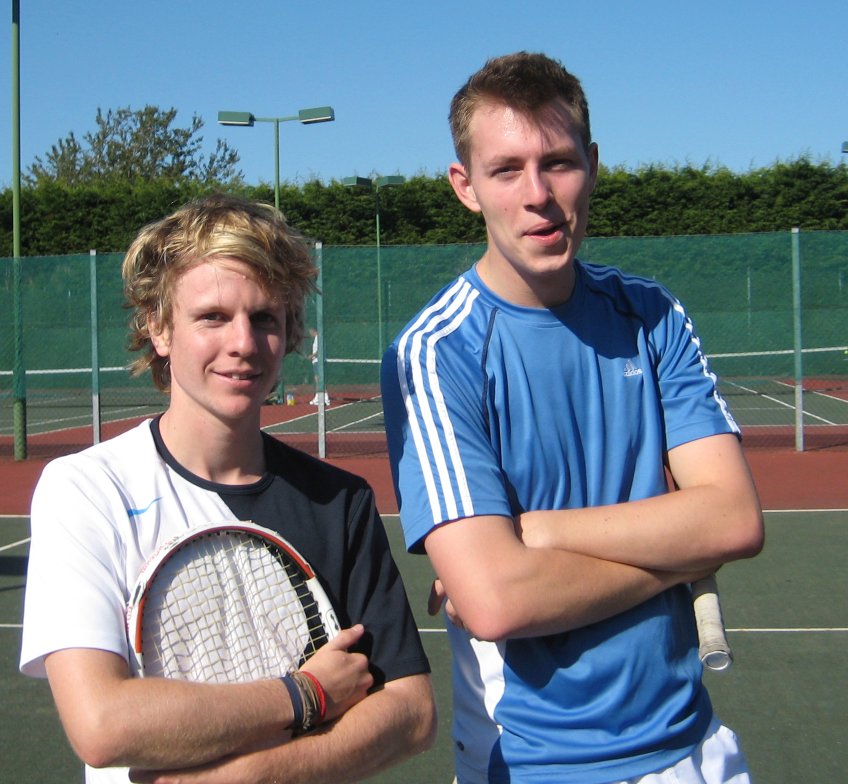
point(714, 650)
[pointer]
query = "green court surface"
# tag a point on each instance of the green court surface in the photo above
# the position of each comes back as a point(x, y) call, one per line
point(785, 695)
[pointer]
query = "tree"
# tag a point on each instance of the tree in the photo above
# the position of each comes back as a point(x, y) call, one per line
point(137, 145)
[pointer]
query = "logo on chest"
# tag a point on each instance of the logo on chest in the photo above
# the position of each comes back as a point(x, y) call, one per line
point(631, 370)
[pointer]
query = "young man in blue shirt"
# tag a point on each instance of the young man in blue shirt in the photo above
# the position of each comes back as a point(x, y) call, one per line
point(533, 408)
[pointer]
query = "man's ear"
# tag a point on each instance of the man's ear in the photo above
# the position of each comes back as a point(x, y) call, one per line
point(593, 164)
point(160, 337)
point(462, 187)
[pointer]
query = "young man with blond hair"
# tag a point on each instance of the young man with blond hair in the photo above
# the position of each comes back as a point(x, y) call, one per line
point(217, 291)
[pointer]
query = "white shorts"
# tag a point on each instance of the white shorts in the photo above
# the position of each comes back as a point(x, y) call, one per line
point(717, 760)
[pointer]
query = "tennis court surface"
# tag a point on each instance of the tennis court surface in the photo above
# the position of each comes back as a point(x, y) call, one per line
point(785, 610)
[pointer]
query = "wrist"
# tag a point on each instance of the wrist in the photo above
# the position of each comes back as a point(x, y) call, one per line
point(308, 701)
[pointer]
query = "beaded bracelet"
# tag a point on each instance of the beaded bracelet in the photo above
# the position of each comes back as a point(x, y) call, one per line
point(319, 693)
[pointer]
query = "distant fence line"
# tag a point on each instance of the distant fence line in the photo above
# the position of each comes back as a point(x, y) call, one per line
point(771, 310)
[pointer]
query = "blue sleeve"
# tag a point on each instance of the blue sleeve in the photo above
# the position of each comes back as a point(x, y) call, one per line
point(692, 406)
point(443, 464)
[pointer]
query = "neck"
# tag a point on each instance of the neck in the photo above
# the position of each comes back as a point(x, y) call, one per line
point(529, 290)
point(213, 450)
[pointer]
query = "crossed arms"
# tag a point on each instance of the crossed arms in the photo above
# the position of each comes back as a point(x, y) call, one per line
point(217, 732)
point(554, 571)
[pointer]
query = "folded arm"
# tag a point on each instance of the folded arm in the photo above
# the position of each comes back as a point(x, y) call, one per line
point(714, 516)
point(112, 719)
point(501, 588)
point(389, 725)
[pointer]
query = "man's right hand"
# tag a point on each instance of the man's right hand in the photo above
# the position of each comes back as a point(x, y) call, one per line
point(344, 676)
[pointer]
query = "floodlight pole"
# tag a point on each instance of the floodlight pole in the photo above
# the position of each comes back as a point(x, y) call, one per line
point(18, 368)
point(380, 182)
point(317, 114)
point(311, 116)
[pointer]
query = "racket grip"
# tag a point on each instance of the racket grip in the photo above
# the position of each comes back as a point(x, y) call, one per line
point(713, 649)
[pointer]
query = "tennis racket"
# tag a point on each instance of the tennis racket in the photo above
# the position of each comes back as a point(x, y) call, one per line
point(226, 603)
point(713, 649)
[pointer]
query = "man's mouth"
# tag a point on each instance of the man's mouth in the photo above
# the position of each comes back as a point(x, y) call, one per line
point(546, 230)
point(241, 376)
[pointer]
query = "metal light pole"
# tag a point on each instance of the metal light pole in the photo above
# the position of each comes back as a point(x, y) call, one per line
point(19, 371)
point(317, 114)
point(376, 184)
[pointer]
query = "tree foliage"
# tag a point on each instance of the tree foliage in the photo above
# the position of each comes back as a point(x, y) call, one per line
point(656, 200)
point(136, 146)
point(60, 216)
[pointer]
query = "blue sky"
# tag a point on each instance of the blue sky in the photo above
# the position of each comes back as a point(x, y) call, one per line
point(738, 83)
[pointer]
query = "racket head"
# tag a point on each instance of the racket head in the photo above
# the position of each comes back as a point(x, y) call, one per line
point(227, 602)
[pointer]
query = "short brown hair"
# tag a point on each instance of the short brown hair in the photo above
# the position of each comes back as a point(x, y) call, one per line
point(251, 232)
point(523, 81)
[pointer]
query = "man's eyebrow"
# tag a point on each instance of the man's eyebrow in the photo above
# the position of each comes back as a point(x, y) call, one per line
point(501, 160)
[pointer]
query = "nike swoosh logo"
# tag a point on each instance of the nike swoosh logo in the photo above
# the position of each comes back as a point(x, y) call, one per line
point(139, 512)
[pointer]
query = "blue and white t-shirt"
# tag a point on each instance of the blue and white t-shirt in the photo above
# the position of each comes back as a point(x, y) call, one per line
point(494, 409)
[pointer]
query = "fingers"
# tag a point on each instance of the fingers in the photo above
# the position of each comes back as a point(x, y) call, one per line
point(437, 597)
point(344, 677)
point(346, 637)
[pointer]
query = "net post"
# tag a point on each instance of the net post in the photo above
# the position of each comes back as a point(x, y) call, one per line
point(319, 326)
point(96, 429)
point(797, 339)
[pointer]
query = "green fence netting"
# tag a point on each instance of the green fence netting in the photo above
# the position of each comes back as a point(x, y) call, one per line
point(771, 310)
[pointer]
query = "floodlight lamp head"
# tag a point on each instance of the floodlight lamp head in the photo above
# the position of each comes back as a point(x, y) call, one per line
point(390, 180)
point(318, 114)
point(356, 182)
point(236, 118)
point(845, 147)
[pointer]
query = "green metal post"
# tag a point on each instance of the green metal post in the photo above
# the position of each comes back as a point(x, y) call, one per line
point(96, 429)
point(320, 387)
point(18, 371)
point(380, 340)
point(277, 162)
point(797, 340)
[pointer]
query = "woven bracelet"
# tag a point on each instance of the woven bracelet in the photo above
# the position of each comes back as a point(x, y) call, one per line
point(319, 693)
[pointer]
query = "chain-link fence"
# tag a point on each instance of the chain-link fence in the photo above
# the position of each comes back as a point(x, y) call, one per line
point(771, 310)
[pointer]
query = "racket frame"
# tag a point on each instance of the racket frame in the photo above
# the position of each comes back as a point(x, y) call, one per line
point(154, 565)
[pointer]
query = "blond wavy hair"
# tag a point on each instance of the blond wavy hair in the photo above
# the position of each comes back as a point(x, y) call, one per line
point(253, 233)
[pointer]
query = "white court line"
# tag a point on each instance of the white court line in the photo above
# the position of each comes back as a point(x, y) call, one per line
point(829, 397)
point(800, 630)
point(84, 420)
point(780, 402)
point(356, 422)
point(801, 511)
point(312, 414)
point(13, 544)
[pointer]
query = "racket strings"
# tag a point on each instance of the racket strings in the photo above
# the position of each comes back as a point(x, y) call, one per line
point(227, 608)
